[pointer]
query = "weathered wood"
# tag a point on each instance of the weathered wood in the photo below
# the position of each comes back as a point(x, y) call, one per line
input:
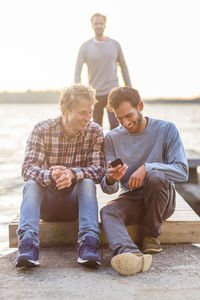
point(193, 158)
point(182, 227)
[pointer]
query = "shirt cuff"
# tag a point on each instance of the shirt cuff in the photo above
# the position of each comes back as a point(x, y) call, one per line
point(47, 178)
point(78, 173)
point(109, 189)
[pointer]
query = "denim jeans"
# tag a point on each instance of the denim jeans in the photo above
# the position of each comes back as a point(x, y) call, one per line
point(78, 202)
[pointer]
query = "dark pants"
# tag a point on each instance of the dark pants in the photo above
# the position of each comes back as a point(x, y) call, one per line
point(149, 206)
point(98, 112)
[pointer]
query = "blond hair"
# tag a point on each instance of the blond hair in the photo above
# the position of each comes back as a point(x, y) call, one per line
point(70, 96)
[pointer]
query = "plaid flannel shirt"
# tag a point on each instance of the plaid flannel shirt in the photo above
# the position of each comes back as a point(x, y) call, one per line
point(48, 146)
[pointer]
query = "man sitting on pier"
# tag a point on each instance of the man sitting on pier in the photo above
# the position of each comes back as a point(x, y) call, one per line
point(152, 157)
point(63, 162)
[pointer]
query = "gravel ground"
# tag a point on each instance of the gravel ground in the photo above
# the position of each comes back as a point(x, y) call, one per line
point(174, 274)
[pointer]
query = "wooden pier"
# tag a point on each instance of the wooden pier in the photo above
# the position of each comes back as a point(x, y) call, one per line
point(182, 227)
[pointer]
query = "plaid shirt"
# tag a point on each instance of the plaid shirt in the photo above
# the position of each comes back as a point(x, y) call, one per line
point(48, 146)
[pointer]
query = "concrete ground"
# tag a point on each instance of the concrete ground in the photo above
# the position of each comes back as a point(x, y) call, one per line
point(174, 274)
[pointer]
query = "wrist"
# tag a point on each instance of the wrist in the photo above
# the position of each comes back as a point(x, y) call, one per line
point(72, 175)
point(110, 181)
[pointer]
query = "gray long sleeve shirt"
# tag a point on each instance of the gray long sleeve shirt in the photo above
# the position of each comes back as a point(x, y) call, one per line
point(158, 146)
point(102, 58)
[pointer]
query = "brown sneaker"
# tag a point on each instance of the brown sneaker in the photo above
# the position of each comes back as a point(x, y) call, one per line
point(151, 245)
point(131, 263)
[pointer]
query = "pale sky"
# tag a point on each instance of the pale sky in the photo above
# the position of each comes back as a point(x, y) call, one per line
point(40, 39)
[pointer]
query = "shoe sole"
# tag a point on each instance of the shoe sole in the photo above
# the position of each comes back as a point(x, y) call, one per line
point(129, 264)
point(27, 263)
point(89, 263)
point(152, 251)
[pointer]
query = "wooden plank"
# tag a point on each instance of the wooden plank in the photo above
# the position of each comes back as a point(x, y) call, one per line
point(182, 227)
point(193, 158)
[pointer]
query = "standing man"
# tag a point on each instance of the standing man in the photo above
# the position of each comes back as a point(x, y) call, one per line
point(153, 158)
point(63, 161)
point(101, 55)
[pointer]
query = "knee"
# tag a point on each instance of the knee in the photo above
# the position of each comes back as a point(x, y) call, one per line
point(109, 209)
point(32, 187)
point(88, 185)
point(155, 179)
point(103, 211)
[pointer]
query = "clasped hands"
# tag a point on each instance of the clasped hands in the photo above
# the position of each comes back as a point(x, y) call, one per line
point(115, 174)
point(62, 177)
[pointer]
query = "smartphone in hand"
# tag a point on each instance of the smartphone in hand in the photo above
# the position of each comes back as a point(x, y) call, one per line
point(116, 162)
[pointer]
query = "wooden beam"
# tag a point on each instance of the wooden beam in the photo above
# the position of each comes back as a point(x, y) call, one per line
point(182, 227)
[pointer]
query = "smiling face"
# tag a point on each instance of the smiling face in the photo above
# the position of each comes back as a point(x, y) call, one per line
point(76, 119)
point(98, 25)
point(131, 117)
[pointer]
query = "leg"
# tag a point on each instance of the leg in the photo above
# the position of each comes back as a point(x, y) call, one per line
point(28, 229)
point(99, 108)
point(88, 209)
point(112, 119)
point(159, 196)
point(114, 217)
point(33, 195)
point(88, 239)
point(127, 258)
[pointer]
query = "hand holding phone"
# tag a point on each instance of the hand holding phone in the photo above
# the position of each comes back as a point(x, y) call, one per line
point(116, 162)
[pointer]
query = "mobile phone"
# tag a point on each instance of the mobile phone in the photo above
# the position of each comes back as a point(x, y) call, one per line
point(116, 162)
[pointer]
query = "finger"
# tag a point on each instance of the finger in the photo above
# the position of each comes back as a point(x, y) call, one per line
point(140, 183)
point(64, 186)
point(118, 167)
point(130, 184)
point(65, 183)
point(62, 178)
point(123, 169)
point(136, 183)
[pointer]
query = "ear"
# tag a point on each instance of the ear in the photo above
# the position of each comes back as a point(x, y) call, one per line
point(63, 109)
point(140, 106)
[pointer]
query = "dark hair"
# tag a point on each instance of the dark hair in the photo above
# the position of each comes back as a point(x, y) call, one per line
point(98, 15)
point(70, 96)
point(120, 94)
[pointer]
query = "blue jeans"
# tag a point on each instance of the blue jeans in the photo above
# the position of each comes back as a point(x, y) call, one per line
point(78, 202)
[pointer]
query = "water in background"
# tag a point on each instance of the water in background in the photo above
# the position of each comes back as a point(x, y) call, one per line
point(16, 122)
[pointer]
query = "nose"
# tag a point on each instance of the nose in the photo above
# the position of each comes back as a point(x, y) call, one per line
point(125, 122)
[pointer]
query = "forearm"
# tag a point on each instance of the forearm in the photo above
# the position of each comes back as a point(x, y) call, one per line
point(94, 172)
point(78, 67)
point(125, 75)
point(124, 69)
point(42, 176)
point(177, 172)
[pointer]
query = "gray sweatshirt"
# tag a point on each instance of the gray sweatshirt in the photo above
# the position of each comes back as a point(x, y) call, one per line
point(102, 58)
point(158, 146)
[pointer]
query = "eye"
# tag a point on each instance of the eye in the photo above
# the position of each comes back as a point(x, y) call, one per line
point(129, 115)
